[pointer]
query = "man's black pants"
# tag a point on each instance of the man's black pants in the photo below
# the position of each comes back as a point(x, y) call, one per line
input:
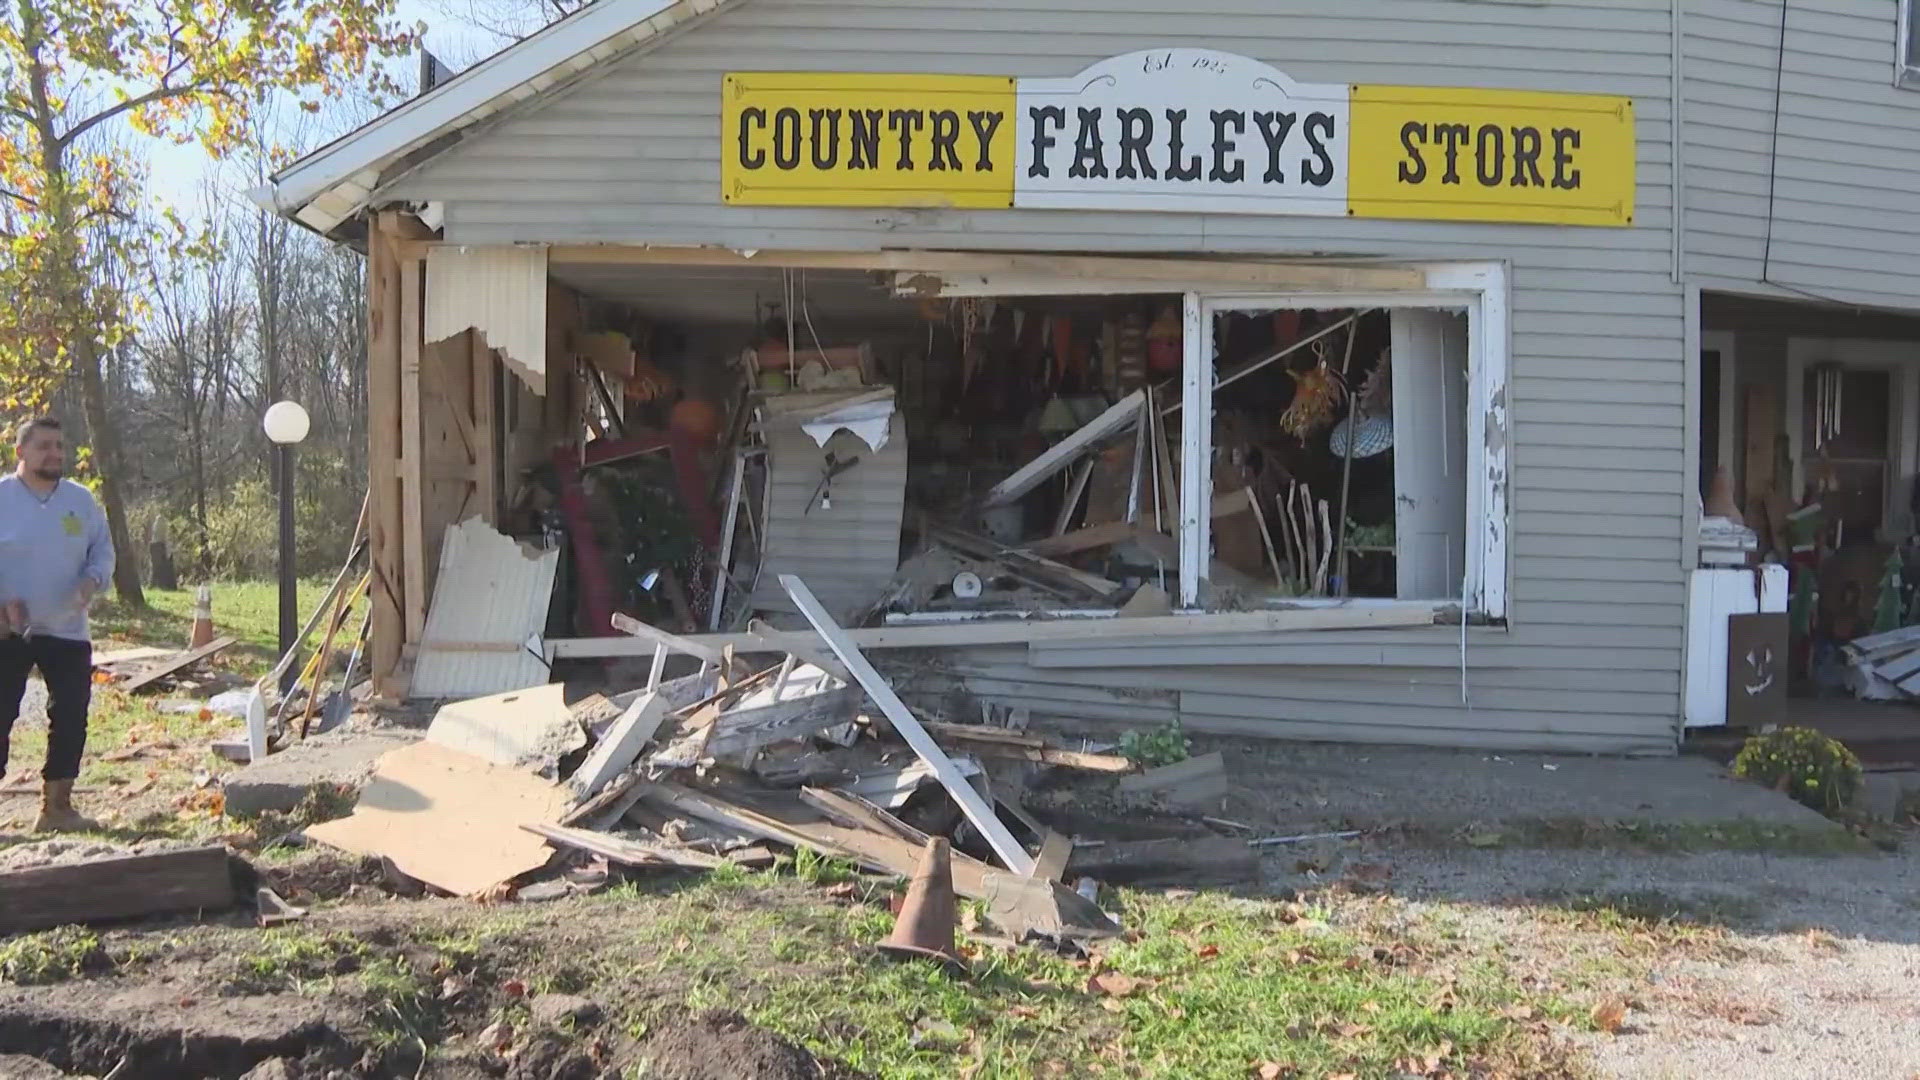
point(67, 668)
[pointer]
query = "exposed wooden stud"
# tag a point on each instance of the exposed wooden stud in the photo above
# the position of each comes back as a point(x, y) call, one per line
point(411, 450)
point(486, 447)
point(1196, 450)
point(1067, 450)
point(388, 628)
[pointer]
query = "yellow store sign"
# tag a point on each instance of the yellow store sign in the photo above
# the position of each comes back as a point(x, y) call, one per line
point(1177, 130)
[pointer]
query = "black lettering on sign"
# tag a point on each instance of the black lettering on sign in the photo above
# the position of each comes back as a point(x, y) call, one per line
point(1042, 142)
point(1222, 146)
point(1274, 129)
point(1176, 143)
point(1489, 155)
point(946, 132)
point(1413, 135)
point(1565, 176)
point(1318, 129)
point(907, 122)
point(1136, 133)
point(1089, 151)
point(786, 139)
point(1526, 158)
point(985, 123)
point(865, 153)
point(751, 118)
point(1450, 136)
point(826, 143)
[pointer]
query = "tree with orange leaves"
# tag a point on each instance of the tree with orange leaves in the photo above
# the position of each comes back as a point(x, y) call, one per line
point(182, 70)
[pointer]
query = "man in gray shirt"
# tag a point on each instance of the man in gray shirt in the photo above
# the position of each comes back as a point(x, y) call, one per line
point(55, 554)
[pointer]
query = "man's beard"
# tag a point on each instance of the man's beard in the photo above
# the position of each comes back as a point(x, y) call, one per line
point(49, 473)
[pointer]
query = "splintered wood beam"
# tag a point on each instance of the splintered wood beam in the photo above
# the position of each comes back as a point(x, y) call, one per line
point(976, 809)
point(633, 627)
point(1126, 411)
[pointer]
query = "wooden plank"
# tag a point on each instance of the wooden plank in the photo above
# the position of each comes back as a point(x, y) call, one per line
point(626, 852)
point(977, 811)
point(711, 807)
point(1097, 536)
point(191, 879)
point(387, 630)
point(1195, 781)
point(1066, 632)
point(150, 675)
point(747, 728)
point(621, 745)
point(633, 627)
point(413, 538)
point(989, 742)
point(1186, 860)
point(1160, 273)
point(1055, 849)
point(1126, 411)
point(761, 637)
point(1023, 563)
point(857, 813)
point(486, 446)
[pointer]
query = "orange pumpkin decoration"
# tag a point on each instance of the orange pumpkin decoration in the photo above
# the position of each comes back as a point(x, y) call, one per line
point(697, 419)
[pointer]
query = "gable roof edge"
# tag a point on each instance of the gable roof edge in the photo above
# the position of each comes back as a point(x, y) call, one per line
point(325, 187)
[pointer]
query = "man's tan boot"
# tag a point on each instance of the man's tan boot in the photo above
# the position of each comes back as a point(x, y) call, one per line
point(57, 813)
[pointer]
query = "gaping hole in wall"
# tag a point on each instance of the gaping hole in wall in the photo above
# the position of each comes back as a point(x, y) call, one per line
point(919, 456)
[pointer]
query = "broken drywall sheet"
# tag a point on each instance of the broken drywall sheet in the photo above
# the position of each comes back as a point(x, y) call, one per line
point(500, 291)
point(870, 421)
point(491, 597)
point(449, 819)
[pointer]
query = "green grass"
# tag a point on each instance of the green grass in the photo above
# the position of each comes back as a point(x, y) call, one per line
point(51, 957)
point(1207, 986)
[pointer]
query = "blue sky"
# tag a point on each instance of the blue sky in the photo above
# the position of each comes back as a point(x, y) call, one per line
point(176, 172)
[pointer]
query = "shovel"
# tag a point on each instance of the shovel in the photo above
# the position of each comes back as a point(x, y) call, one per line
point(339, 703)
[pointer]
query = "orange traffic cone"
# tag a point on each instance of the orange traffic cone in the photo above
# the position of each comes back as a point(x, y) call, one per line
point(924, 928)
point(202, 618)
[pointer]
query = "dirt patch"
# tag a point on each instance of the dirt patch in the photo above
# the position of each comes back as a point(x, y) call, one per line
point(726, 1046)
point(325, 875)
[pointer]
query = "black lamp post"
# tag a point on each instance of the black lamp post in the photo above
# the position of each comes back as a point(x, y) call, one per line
point(286, 423)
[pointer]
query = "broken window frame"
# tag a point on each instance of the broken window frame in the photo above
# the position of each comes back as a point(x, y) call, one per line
point(1478, 288)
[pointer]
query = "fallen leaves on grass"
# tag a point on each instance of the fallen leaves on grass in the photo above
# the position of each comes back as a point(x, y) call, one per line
point(1610, 1016)
point(1113, 984)
point(1274, 1070)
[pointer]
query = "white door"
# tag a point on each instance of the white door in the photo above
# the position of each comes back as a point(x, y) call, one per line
point(1429, 451)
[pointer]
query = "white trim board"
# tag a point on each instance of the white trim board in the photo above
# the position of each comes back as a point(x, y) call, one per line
point(1481, 290)
point(1902, 360)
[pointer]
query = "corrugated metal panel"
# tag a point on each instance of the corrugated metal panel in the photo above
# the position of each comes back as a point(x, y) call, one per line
point(1836, 180)
point(631, 154)
point(848, 551)
point(501, 597)
point(500, 291)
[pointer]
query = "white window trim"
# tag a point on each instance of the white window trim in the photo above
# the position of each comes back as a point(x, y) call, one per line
point(1482, 290)
point(1905, 75)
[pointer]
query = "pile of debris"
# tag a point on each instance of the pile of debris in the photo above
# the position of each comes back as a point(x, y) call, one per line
point(730, 765)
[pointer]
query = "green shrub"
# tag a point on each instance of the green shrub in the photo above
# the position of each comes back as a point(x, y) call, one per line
point(1814, 769)
point(51, 957)
point(1155, 747)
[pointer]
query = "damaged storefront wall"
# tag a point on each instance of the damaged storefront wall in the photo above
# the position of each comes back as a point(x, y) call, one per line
point(1253, 494)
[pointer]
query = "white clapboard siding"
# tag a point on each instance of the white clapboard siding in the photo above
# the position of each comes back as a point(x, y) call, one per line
point(1838, 179)
point(632, 154)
